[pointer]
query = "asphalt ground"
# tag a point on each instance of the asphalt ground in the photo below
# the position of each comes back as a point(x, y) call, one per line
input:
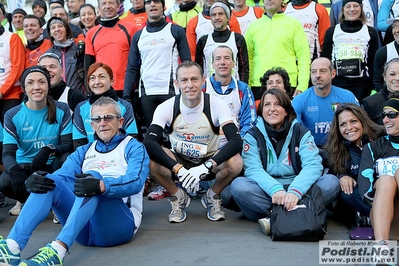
point(197, 241)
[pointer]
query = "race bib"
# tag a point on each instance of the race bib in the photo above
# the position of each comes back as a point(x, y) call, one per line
point(387, 166)
point(348, 67)
point(191, 149)
point(350, 51)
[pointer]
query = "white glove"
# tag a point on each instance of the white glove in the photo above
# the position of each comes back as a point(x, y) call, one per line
point(193, 189)
point(183, 173)
point(197, 174)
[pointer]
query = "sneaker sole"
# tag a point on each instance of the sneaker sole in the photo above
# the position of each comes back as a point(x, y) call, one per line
point(212, 218)
point(24, 264)
point(265, 227)
point(215, 218)
point(177, 220)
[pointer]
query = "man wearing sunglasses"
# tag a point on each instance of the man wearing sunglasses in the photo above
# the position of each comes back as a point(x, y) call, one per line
point(97, 193)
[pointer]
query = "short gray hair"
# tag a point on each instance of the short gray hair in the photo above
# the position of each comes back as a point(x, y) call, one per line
point(107, 101)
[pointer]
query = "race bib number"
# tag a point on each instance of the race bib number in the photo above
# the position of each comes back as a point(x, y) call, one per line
point(349, 51)
point(387, 166)
point(191, 149)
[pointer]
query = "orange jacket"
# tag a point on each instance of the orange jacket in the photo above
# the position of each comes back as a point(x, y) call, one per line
point(192, 36)
point(32, 56)
point(17, 58)
point(139, 19)
point(111, 46)
point(258, 12)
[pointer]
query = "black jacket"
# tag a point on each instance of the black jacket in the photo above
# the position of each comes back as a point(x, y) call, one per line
point(374, 104)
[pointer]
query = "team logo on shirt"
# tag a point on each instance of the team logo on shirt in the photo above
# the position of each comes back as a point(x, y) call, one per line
point(334, 106)
point(101, 165)
point(188, 136)
point(246, 147)
point(311, 145)
point(27, 127)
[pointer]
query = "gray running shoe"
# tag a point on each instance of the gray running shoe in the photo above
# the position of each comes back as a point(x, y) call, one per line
point(178, 214)
point(214, 206)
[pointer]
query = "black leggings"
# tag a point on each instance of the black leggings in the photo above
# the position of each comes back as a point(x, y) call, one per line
point(149, 104)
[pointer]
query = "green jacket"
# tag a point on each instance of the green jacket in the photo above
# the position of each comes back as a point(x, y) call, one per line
point(252, 3)
point(183, 17)
point(279, 41)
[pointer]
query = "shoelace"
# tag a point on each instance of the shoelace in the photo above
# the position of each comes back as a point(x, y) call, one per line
point(177, 205)
point(216, 204)
point(45, 254)
point(6, 254)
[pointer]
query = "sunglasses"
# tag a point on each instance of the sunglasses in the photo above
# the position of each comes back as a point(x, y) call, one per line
point(391, 115)
point(107, 118)
point(148, 2)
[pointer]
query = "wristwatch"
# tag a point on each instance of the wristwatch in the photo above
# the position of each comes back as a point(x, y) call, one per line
point(208, 164)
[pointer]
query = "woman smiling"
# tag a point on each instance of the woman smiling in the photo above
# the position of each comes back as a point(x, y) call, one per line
point(65, 47)
point(281, 162)
point(100, 79)
point(351, 45)
point(351, 129)
point(378, 174)
point(37, 135)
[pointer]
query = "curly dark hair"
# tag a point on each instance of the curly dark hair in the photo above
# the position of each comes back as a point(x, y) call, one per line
point(279, 71)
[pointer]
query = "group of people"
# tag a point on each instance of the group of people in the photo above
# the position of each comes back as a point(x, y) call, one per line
point(89, 130)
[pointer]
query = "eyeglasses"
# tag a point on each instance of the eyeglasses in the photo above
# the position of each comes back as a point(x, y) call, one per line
point(148, 2)
point(391, 115)
point(107, 118)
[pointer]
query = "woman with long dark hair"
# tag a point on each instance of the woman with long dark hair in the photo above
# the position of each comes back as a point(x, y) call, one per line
point(351, 129)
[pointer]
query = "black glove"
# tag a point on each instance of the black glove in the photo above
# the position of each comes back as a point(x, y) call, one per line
point(86, 185)
point(18, 178)
point(38, 183)
point(80, 50)
point(40, 160)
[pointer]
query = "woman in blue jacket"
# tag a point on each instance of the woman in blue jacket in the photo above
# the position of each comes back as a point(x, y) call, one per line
point(285, 167)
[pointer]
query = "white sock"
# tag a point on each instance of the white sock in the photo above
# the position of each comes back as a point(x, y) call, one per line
point(60, 249)
point(179, 194)
point(13, 246)
point(210, 193)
